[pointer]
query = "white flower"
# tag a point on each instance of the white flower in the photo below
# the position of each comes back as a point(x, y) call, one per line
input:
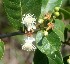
point(28, 18)
point(28, 46)
point(31, 26)
point(29, 21)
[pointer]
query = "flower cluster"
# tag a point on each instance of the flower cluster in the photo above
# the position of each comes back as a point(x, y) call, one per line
point(29, 21)
point(28, 46)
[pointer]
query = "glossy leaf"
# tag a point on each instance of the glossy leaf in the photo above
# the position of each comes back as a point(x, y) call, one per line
point(55, 58)
point(39, 36)
point(48, 6)
point(1, 49)
point(59, 29)
point(49, 44)
point(16, 8)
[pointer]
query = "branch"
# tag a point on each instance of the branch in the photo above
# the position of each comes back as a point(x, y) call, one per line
point(15, 33)
point(22, 33)
point(11, 34)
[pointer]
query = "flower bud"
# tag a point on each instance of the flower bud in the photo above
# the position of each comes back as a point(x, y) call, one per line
point(45, 33)
point(57, 9)
point(56, 14)
point(40, 21)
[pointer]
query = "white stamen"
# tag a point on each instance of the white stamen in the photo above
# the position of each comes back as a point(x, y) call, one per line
point(29, 21)
point(28, 46)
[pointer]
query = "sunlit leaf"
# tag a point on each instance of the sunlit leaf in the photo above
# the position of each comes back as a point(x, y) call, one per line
point(49, 44)
point(59, 29)
point(48, 6)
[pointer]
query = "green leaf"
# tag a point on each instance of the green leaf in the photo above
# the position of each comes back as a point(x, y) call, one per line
point(66, 13)
point(40, 58)
point(1, 52)
point(16, 8)
point(67, 8)
point(48, 6)
point(1, 49)
point(49, 44)
point(59, 29)
point(39, 36)
point(55, 58)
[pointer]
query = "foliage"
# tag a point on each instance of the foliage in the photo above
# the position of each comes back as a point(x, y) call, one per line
point(49, 45)
point(65, 13)
point(49, 5)
point(1, 49)
point(16, 8)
